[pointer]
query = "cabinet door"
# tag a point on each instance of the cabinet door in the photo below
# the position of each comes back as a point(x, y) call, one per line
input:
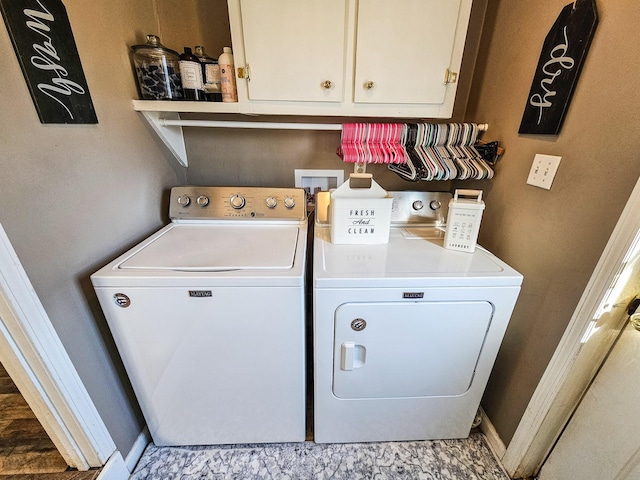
point(404, 48)
point(294, 49)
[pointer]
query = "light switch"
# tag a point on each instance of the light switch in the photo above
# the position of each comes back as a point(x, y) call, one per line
point(543, 170)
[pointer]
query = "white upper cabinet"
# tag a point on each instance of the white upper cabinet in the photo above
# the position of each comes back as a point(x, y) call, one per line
point(403, 49)
point(294, 50)
point(395, 58)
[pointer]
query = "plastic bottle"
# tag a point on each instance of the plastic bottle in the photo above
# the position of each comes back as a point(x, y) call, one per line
point(227, 76)
point(191, 76)
point(211, 75)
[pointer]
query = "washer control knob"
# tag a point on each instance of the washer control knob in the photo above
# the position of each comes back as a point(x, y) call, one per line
point(271, 202)
point(237, 201)
point(417, 205)
point(184, 200)
point(289, 202)
point(202, 200)
point(435, 205)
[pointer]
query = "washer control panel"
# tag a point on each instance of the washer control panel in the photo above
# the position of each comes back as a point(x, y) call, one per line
point(242, 203)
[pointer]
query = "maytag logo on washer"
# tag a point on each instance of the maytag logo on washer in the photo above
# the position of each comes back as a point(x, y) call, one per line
point(200, 293)
point(413, 295)
point(121, 300)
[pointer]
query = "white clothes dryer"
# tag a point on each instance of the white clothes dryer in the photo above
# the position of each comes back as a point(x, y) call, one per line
point(405, 333)
point(208, 316)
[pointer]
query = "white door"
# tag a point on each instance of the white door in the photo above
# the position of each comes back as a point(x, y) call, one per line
point(294, 49)
point(403, 50)
point(602, 440)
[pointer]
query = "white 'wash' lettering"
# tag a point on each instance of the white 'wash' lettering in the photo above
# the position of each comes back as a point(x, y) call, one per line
point(47, 58)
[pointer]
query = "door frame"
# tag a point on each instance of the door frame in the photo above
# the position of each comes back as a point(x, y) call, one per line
point(39, 365)
point(576, 359)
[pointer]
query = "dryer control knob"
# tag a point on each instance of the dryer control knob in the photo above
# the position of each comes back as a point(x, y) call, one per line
point(271, 202)
point(237, 201)
point(289, 202)
point(417, 205)
point(184, 200)
point(202, 200)
point(435, 204)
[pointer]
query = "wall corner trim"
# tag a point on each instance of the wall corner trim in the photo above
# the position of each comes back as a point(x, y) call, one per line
point(114, 469)
point(134, 455)
point(493, 438)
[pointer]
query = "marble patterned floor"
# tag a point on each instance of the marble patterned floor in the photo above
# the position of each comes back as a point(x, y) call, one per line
point(463, 459)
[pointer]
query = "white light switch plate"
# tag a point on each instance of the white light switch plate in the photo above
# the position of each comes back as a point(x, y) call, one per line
point(543, 170)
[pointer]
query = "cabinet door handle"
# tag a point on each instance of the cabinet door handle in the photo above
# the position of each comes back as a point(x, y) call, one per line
point(369, 85)
point(327, 84)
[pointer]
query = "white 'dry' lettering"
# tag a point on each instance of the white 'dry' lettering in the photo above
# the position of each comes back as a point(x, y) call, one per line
point(560, 59)
point(47, 58)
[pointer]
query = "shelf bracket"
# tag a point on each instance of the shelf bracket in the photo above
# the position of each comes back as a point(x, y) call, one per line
point(171, 135)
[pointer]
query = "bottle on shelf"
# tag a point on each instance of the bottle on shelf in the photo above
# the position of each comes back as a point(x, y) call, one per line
point(211, 75)
point(157, 70)
point(227, 76)
point(191, 76)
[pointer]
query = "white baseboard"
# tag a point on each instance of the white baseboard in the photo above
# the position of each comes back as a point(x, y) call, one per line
point(133, 457)
point(114, 469)
point(495, 442)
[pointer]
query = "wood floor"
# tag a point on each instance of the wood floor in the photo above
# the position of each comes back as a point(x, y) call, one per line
point(26, 452)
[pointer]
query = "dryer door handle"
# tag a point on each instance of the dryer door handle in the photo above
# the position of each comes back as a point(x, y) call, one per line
point(352, 356)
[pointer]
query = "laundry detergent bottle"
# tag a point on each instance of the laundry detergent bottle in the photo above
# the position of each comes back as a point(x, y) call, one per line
point(227, 76)
point(191, 76)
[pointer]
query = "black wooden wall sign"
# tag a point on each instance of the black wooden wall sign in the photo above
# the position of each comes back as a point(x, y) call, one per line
point(561, 59)
point(44, 44)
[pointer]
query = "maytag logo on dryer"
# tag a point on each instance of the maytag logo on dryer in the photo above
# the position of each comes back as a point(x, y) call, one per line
point(200, 293)
point(412, 295)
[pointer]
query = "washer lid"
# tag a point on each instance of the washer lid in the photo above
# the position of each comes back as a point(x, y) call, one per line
point(217, 248)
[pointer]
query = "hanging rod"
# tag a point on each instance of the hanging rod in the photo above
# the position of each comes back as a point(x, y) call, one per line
point(262, 125)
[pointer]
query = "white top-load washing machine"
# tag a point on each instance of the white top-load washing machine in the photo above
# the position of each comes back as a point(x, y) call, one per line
point(208, 316)
point(405, 333)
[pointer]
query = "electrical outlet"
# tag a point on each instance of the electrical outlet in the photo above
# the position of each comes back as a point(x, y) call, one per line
point(543, 171)
point(315, 180)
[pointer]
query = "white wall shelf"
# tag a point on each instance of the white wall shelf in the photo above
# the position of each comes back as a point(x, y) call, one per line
point(164, 118)
point(191, 107)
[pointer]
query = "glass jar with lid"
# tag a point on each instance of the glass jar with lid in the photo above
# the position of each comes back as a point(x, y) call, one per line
point(157, 70)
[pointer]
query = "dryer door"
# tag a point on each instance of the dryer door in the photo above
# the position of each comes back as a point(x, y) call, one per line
point(421, 349)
